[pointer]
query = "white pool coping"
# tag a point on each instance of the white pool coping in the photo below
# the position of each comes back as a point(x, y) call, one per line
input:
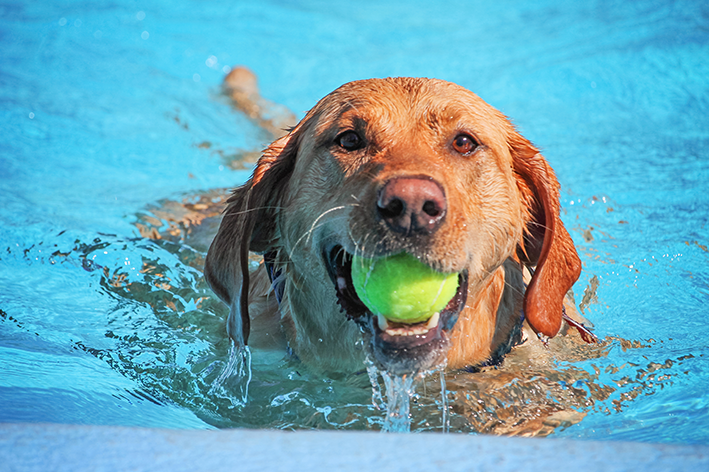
point(52, 447)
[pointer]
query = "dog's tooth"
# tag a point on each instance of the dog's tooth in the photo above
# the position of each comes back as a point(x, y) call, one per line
point(433, 322)
point(341, 283)
point(396, 332)
point(383, 323)
point(418, 330)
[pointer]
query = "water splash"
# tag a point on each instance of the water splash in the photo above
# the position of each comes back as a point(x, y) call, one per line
point(234, 380)
point(373, 374)
point(398, 390)
point(445, 420)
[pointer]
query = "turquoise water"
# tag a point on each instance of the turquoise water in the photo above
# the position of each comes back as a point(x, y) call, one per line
point(106, 109)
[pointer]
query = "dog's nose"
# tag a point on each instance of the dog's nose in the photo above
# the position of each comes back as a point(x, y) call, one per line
point(412, 205)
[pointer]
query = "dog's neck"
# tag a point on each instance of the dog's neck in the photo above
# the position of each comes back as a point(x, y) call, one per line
point(491, 318)
point(315, 327)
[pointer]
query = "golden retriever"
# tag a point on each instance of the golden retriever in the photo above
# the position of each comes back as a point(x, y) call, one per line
point(376, 168)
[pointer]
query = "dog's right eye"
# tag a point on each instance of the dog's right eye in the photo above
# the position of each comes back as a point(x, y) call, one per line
point(465, 144)
point(349, 141)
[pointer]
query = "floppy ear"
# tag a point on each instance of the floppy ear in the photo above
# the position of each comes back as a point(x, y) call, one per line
point(546, 243)
point(249, 223)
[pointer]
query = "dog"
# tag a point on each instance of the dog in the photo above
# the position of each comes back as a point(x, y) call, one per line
point(380, 167)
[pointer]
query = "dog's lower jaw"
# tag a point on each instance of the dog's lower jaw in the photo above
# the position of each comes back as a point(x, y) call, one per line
point(404, 360)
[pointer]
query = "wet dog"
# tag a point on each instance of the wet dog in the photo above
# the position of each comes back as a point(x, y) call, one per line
point(380, 167)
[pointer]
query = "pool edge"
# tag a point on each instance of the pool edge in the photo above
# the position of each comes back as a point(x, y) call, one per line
point(35, 447)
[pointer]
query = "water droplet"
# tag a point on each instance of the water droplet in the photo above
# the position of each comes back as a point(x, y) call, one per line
point(211, 61)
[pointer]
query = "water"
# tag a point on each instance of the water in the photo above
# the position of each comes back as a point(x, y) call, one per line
point(109, 110)
point(233, 382)
point(399, 390)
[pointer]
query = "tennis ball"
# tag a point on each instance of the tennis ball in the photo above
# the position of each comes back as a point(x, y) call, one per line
point(401, 288)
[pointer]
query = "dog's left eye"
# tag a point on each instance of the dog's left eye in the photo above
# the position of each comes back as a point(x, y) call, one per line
point(464, 143)
point(349, 141)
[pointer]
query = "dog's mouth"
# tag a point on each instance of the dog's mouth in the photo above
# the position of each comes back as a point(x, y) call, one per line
point(396, 347)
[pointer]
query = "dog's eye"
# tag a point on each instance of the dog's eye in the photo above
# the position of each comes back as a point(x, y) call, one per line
point(465, 144)
point(349, 141)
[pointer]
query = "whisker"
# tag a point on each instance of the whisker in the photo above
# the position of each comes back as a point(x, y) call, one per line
point(322, 215)
point(534, 223)
point(226, 212)
point(314, 226)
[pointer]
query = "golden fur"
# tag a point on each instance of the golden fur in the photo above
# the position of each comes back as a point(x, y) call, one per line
point(307, 193)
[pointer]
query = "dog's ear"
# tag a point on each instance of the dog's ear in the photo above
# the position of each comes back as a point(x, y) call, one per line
point(546, 245)
point(249, 223)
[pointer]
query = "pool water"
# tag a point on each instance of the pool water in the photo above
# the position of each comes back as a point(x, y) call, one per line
point(109, 110)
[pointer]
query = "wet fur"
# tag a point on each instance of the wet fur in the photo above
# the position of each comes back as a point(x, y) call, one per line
point(503, 216)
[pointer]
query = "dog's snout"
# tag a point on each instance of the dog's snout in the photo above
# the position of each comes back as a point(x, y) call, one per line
point(412, 204)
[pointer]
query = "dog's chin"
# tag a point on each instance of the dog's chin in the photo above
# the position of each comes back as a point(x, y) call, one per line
point(398, 348)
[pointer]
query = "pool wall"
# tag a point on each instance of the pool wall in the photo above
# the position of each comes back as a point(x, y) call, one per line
point(42, 447)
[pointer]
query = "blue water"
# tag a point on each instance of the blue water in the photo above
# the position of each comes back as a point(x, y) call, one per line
point(105, 109)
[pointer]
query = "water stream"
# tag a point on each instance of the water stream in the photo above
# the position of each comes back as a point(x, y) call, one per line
point(399, 390)
point(233, 382)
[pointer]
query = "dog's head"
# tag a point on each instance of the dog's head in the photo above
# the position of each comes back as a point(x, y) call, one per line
point(385, 166)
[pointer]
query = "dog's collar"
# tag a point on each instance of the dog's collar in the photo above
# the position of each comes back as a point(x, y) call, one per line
point(275, 275)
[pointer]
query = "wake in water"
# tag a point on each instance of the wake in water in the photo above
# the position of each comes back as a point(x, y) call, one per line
point(234, 380)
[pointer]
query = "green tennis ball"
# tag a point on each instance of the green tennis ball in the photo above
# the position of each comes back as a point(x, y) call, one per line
point(401, 288)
